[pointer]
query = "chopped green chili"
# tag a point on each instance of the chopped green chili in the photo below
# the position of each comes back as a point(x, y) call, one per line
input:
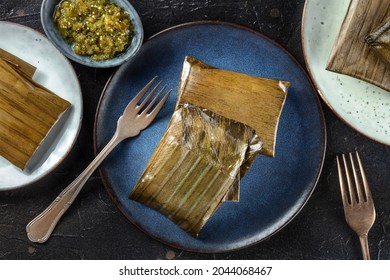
point(96, 28)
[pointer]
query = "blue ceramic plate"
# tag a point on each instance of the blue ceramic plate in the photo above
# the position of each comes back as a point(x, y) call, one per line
point(273, 191)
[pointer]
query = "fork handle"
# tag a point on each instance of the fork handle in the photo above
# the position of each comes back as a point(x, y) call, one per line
point(40, 228)
point(364, 244)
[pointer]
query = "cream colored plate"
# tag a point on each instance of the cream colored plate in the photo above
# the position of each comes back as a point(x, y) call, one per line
point(365, 107)
point(56, 73)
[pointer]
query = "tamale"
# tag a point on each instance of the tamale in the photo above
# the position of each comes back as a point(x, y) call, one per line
point(351, 55)
point(200, 78)
point(254, 101)
point(379, 41)
point(206, 149)
point(183, 184)
point(28, 111)
point(231, 97)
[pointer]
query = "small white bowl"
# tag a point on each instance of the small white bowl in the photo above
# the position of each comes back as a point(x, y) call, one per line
point(47, 13)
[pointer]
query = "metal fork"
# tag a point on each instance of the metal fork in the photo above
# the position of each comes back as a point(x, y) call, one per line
point(135, 118)
point(358, 204)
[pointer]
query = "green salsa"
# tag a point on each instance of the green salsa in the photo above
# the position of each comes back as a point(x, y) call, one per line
point(96, 28)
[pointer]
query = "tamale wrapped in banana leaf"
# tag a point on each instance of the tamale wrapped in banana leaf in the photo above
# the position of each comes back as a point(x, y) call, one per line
point(232, 97)
point(379, 41)
point(254, 101)
point(351, 55)
point(208, 147)
point(28, 111)
point(183, 184)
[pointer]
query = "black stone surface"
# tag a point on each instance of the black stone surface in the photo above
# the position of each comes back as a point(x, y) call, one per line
point(94, 229)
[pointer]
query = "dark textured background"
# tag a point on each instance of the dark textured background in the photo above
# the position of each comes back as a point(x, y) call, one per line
point(94, 229)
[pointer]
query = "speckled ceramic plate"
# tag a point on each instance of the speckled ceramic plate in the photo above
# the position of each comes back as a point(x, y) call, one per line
point(363, 106)
point(273, 191)
point(55, 73)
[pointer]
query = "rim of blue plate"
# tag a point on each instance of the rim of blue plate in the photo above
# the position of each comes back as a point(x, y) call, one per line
point(322, 150)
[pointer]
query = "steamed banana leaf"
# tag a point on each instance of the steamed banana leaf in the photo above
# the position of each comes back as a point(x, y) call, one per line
point(28, 111)
point(351, 55)
point(379, 41)
point(187, 182)
point(20, 65)
point(209, 143)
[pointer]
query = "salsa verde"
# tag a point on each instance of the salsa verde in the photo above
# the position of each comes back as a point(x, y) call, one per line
point(96, 28)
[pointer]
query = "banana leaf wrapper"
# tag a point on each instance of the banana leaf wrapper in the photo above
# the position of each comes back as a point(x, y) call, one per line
point(379, 41)
point(256, 102)
point(187, 183)
point(351, 55)
point(228, 145)
point(204, 154)
point(20, 65)
point(28, 112)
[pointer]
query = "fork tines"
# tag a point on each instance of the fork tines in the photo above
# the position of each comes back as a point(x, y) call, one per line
point(141, 99)
point(353, 192)
point(358, 204)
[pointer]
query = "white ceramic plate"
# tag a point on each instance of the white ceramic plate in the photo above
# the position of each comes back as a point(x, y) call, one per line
point(363, 106)
point(55, 73)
